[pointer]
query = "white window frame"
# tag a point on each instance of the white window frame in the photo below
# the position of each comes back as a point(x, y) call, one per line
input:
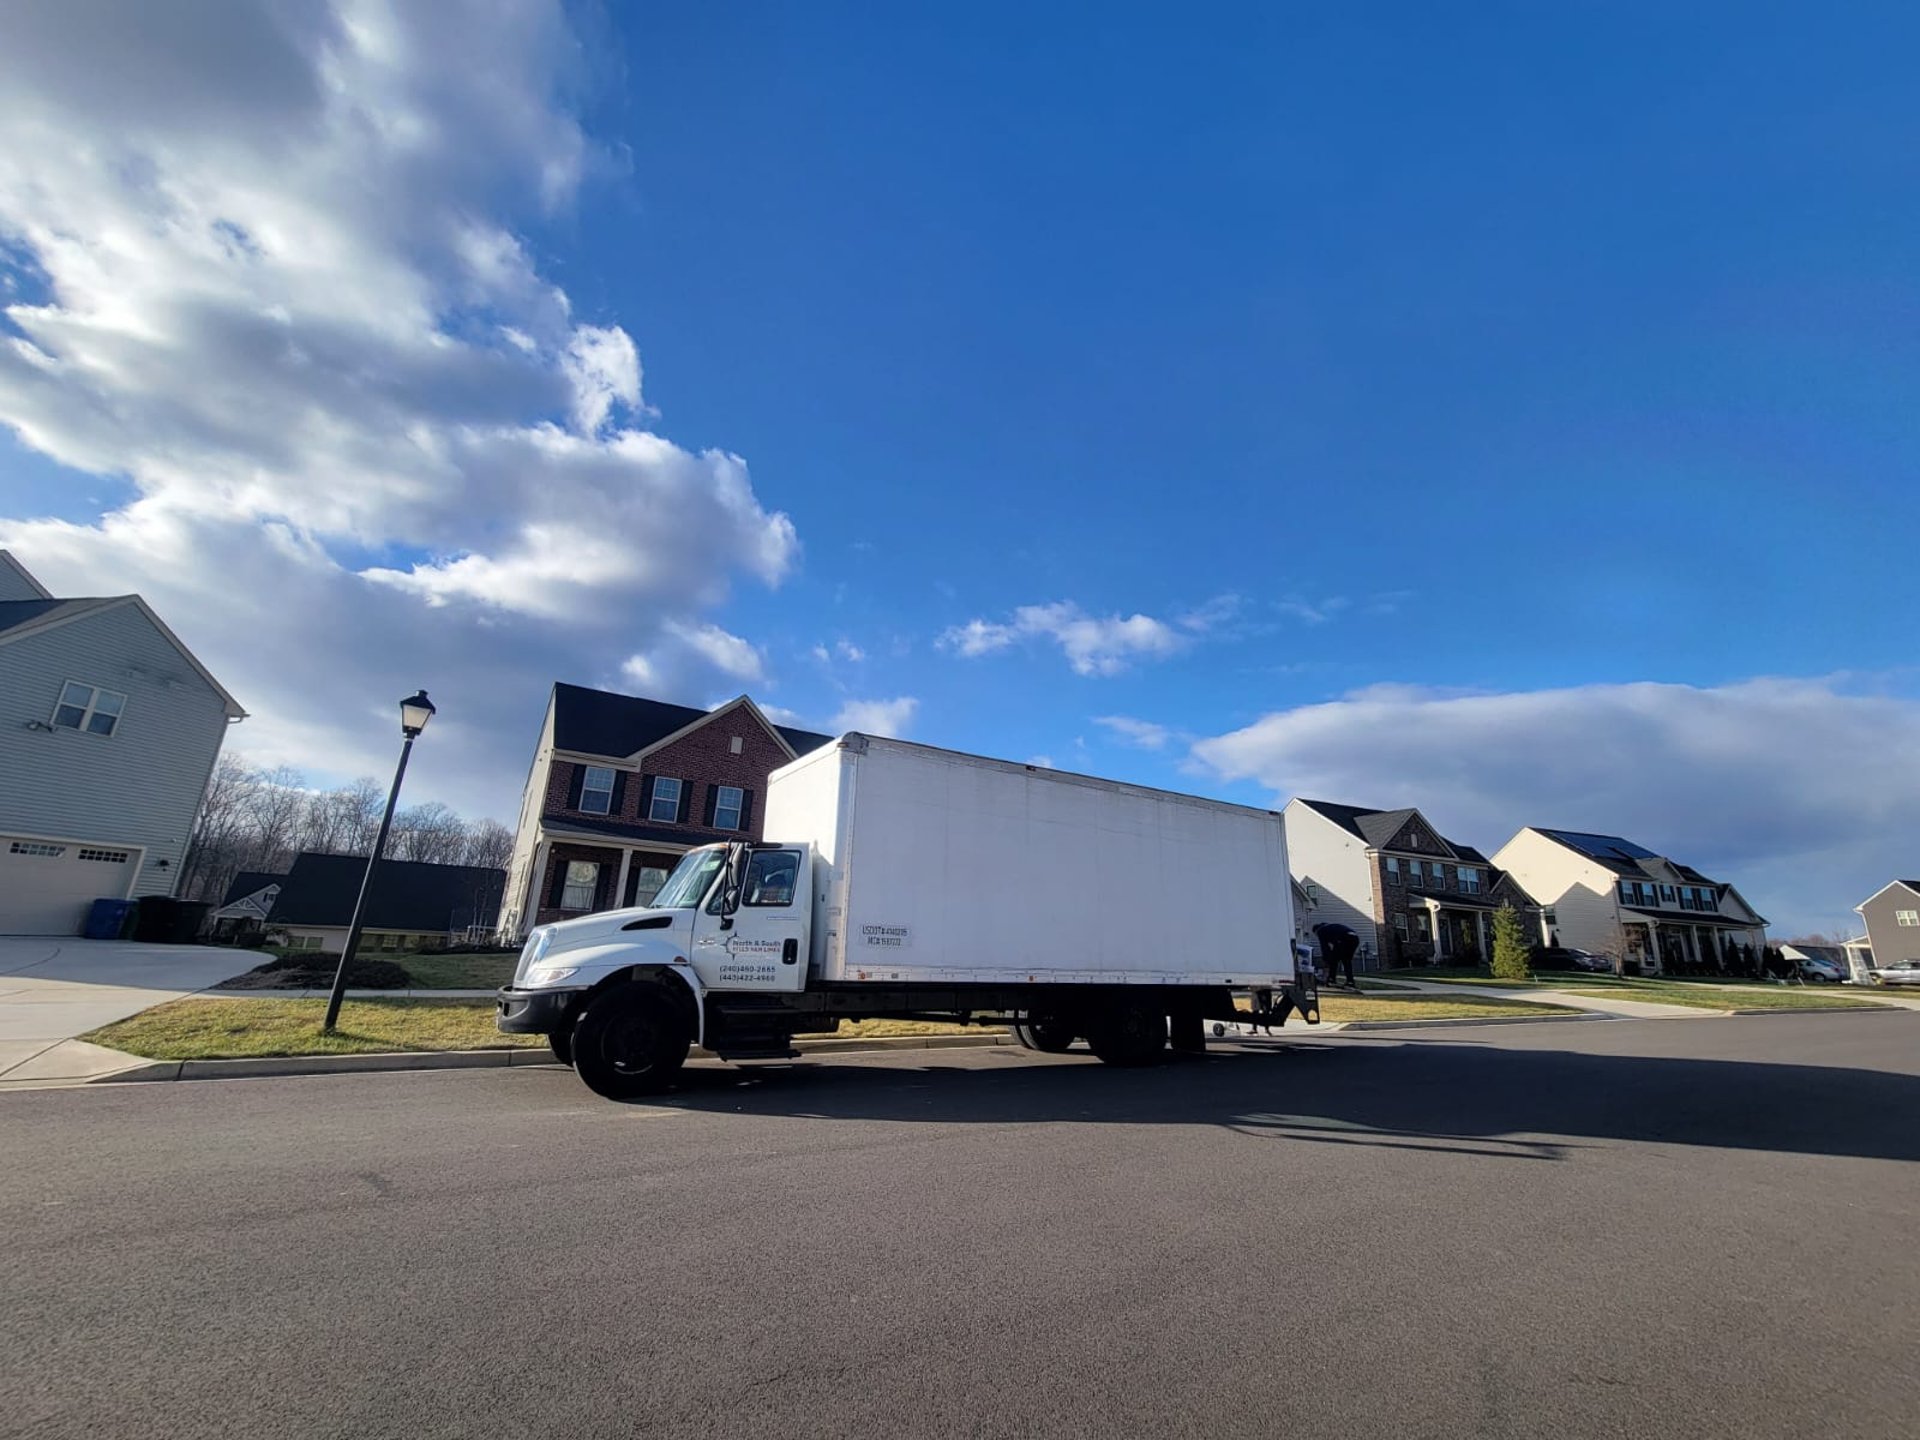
point(90, 709)
point(572, 886)
point(673, 806)
point(720, 807)
point(1469, 880)
point(1908, 919)
point(1391, 864)
point(587, 772)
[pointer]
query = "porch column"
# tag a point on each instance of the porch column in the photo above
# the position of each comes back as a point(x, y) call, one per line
point(1486, 940)
point(1433, 927)
point(620, 885)
point(1653, 948)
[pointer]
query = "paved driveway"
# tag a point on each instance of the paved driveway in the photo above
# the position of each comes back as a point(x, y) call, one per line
point(53, 988)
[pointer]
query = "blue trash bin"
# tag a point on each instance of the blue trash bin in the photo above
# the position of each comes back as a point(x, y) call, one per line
point(106, 918)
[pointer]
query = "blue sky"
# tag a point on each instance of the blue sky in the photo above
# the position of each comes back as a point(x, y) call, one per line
point(1508, 413)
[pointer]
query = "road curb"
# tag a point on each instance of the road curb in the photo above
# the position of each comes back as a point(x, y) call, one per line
point(263, 1066)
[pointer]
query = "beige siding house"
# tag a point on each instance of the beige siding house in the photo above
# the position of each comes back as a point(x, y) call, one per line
point(1606, 894)
point(1892, 916)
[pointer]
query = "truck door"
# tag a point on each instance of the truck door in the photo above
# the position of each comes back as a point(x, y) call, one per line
point(762, 945)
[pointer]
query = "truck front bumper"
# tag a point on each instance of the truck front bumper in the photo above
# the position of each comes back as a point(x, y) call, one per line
point(534, 1012)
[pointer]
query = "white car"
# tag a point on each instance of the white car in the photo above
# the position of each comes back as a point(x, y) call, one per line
point(1901, 972)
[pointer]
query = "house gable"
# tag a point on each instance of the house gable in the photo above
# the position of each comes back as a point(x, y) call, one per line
point(17, 582)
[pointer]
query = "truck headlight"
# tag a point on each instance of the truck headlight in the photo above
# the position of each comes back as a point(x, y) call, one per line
point(544, 975)
point(531, 952)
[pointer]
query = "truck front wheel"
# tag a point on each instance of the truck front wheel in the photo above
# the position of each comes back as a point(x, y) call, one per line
point(1129, 1034)
point(1052, 1036)
point(630, 1042)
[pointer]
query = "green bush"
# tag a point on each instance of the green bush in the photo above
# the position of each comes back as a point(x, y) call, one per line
point(1510, 948)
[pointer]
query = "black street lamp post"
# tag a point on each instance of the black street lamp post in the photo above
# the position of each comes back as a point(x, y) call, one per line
point(415, 711)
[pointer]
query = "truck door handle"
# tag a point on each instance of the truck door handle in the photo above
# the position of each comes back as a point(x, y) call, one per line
point(790, 952)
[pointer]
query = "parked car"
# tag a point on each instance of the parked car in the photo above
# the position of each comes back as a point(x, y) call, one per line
point(1568, 957)
point(1815, 969)
point(1901, 972)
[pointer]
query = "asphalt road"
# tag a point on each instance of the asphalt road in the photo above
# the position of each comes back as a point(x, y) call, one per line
point(1633, 1228)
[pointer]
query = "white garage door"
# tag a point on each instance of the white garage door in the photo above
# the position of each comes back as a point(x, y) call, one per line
point(47, 886)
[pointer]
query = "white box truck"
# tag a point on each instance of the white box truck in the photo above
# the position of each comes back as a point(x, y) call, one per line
point(901, 881)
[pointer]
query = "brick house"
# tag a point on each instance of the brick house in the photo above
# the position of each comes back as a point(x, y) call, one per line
point(621, 787)
point(1411, 895)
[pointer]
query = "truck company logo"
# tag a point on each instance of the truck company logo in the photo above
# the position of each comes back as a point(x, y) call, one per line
point(741, 947)
point(887, 937)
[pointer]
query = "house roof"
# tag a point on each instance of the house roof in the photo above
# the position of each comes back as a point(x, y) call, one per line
point(251, 882)
point(1378, 827)
point(600, 722)
point(1453, 900)
point(406, 895)
point(588, 828)
point(1689, 917)
point(17, 613)
point(1913, 885)
point(1623, 857)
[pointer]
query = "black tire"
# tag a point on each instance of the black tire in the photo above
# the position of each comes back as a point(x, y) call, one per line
point(631, 1041)
point(1130, 1034)
point(1052, 1036)
point(561, 1043)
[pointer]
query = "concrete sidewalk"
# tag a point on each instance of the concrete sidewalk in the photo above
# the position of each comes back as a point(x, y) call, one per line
point(54, 988)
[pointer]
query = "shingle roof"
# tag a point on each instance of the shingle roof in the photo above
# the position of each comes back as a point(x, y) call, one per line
point(1377, 827)
point(679, 837)
point(406, 894)
point(1616, 852)
point(599, 722)
point(15, 613)
point(249, 882)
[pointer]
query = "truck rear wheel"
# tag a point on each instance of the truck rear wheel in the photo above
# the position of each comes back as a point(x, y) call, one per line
point(1053, 1036)
point(1129, 1034)
point(630, 1042)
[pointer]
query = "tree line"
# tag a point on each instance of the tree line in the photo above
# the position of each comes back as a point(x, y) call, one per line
point(255, 819)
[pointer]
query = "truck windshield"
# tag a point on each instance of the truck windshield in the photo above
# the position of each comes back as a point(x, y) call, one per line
point(689, 880)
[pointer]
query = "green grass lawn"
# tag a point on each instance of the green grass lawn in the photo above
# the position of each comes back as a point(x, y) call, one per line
point(232, 1029)
point(456, 972)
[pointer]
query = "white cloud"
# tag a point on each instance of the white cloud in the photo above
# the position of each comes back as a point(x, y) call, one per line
point(1044, 762)
point(263, 262)
point(876, 717)
point(1093, 645)
point(1143, 733)
point(849, 652)
point(1800, 792)
point(1312, 612)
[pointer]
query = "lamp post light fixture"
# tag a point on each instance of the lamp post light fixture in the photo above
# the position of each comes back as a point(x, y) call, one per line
point(415, 711)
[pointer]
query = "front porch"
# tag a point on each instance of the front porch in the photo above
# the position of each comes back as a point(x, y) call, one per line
point(1693, 945)
point(580, 872)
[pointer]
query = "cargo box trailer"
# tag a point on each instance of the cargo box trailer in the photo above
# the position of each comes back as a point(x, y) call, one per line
point(902, 881)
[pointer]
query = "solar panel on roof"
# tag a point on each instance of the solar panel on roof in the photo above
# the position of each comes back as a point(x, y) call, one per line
point(1603, 847)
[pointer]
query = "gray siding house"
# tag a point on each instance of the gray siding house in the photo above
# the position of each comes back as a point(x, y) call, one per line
point(1892, 914)
point(109, 729)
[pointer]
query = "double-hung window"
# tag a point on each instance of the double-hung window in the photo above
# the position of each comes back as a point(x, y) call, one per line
point(88, 708)
point(583, 878)
point(666, 800)
point(727, 801)
point(596, 790)
point(1469, 880)
point(1907, 918)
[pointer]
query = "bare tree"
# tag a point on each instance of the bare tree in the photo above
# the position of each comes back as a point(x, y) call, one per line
point(261, 819)
point(430, 832)
point(489, 843)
